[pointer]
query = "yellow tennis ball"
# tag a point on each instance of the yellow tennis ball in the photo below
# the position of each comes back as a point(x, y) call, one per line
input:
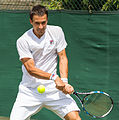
point(41, 88)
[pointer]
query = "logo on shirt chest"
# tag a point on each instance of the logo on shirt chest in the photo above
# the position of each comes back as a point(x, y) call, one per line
point(51, 42)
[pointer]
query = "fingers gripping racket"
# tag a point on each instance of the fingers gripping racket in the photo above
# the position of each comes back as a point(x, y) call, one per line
point(96, 103)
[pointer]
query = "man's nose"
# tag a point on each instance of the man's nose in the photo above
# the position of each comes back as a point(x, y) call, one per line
point(40, 26)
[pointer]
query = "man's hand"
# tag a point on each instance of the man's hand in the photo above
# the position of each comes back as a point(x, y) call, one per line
point(64, 87)
point(68, 89)
point(59, 83)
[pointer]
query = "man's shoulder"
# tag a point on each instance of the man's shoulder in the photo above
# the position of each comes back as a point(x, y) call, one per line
point(54, 30)
point(24, 36)
point(54, 27)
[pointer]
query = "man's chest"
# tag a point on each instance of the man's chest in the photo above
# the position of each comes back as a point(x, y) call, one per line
point(43, 46)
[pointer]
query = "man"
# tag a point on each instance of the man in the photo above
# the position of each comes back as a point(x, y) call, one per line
point(38, 49)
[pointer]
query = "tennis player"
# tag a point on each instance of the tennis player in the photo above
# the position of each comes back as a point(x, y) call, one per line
point(38, 49)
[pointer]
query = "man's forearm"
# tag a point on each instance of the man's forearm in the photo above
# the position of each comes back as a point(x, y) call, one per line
point(63, 67)
point(32, 70)
point(39, 73)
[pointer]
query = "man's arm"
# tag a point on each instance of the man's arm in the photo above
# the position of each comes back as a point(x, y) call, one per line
point(32, 70)
point(63, 67)
point(63, 64)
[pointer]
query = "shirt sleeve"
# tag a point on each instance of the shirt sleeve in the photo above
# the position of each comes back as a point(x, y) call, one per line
point(61, 42)
point(23, 49)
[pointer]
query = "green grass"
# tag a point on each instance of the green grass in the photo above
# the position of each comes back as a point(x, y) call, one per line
point(6, 118)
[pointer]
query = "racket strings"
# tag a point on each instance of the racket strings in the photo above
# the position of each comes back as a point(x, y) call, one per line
point(97, 104)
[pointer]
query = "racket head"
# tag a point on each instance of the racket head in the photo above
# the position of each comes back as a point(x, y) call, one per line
point(97, 104)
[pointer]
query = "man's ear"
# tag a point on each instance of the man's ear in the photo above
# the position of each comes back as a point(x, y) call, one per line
point(31, 21)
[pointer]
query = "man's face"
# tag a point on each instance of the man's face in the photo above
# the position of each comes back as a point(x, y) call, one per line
point(39, 24)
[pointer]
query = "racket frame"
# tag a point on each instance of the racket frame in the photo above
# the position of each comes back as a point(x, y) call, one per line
point(77, 94)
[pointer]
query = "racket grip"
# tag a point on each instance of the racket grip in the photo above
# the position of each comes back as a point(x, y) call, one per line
point(74, 92)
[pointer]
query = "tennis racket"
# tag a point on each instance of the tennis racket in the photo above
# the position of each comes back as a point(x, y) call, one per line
point(96, 103)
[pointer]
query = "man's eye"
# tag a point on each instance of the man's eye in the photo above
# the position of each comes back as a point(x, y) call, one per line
point(43, 22)
point(37, 23)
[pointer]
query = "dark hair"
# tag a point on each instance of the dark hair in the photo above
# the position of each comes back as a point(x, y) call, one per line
point(38, 10)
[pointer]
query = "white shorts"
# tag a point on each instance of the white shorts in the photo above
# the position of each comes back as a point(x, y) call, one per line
point(29, 102)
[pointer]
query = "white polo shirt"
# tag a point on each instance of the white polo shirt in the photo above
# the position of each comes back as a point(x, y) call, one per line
point(43, 51)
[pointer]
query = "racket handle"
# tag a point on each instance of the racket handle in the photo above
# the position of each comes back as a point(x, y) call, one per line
point(75, 93)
